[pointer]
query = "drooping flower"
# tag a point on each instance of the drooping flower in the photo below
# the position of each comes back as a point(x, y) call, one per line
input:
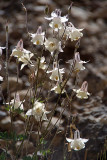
point(57, 13)
point(38, 111)
point(57, 20)
point(16, 103)
point(77, 143)
point(56, 73)
point(58, 89)
point(74, 33)
point(38, 37)
point(78, 62)
point(25, 59)
point(52, 44)
point(19, 50)
point(82, 93)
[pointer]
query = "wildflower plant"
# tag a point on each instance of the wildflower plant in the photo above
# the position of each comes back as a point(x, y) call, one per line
point(61, 31)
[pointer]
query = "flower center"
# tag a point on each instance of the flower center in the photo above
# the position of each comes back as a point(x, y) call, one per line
point(52, 44)
point(78, 147)
point(76, 38)
point(56, 77)
point(56, 25)
point(38, 110)
point(37, 42)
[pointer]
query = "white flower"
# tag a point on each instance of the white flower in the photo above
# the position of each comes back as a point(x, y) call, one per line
point(77, 143)
point(57, 89)
point(42, 64)
point(56, 24)
point(1, 78)
point(38, 111)
point(82, 93)
point(57, 20)
point(57, 13)
point(38, 38)
point(78, 62)
point(25, 58)
point(16, 103)
point(52, 44)
point(56, 73)
point(74, 33)
point(1, 50)
point(19, 50)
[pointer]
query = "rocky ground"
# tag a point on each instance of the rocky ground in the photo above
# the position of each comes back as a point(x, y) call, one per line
point(91, 114)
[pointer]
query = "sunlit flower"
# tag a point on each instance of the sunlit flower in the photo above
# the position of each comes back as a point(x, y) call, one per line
point(1, 50)
point(58, 89)
point(74, 33)
point(16, 103)
point(56, 73)
point(38, 38)
point(19, 50)
point(57, 20)
point(77, 143)
point(57, 13)
point(82, 93)
point(38, 111)
point(52, 44)
point(42, 64)
point(78, 62)
point(25, 58)
point(56, 24)
point(1, 78)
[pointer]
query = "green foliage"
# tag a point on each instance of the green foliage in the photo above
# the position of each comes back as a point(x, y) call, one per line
point(12, 136)
point(19, 111)
point(45, 152)
point(27, 158)
point(42, 141)
point(8, 107)
point(3, 156)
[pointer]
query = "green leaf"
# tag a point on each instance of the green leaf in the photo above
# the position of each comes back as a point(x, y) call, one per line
point(19, 111)
point(12, 136)
point(8, 107)
point(3, 156)
point(27, 158)
point(30, 158)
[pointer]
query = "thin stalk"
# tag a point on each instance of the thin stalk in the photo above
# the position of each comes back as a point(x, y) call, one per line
point(85, 157)
point(7, 64)
point(60, 96)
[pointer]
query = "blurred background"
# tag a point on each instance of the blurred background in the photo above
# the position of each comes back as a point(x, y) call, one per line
point(92, 113)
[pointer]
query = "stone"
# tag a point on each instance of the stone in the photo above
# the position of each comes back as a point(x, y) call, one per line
point(5, 123)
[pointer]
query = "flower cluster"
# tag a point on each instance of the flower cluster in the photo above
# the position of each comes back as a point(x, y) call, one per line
point(61, 30)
